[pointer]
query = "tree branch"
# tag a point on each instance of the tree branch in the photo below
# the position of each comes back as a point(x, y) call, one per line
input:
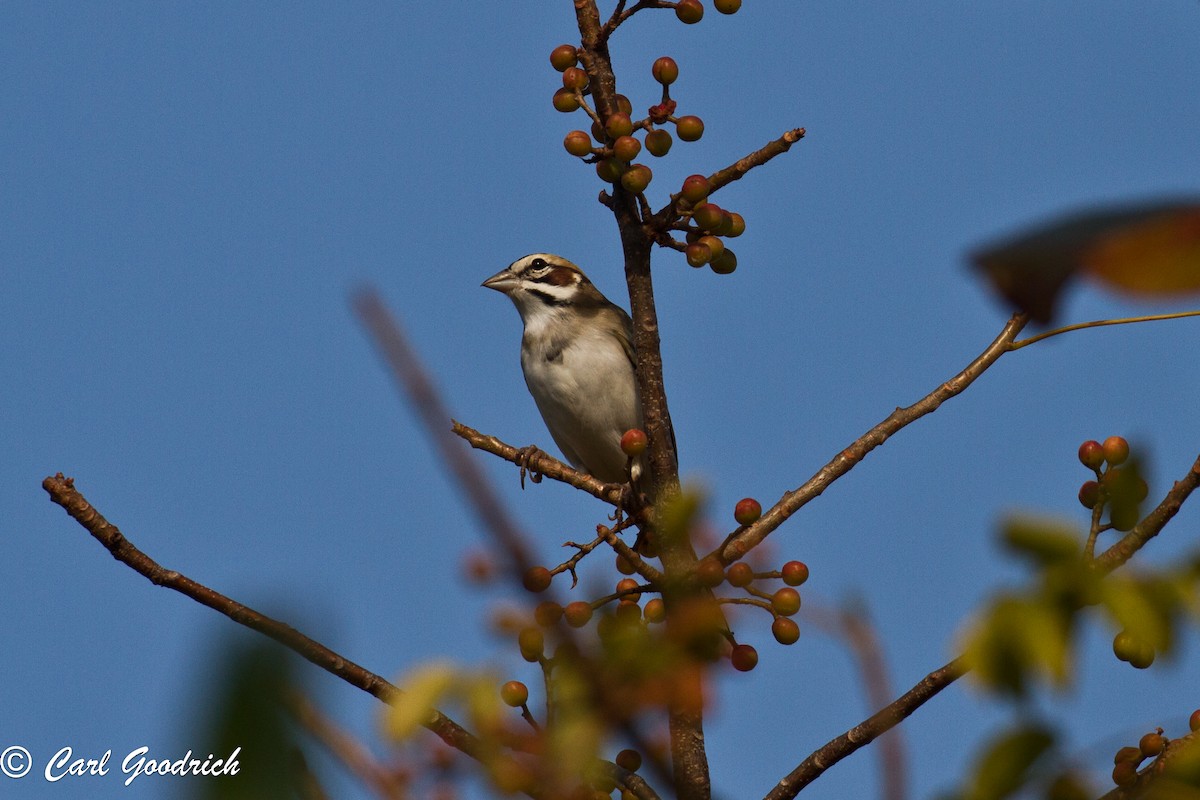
point(63, 492)
point(866, 732)
point(793, 501)
point(1151, 524)
point(1099, 323)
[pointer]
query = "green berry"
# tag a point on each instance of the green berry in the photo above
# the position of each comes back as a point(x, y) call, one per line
point(618, 125)
point(689, 128)
point(564, 100)
point(697, 255)
point(659, 142)
point(514, 693)
point(1116, 450)
point(563, 57)
point(725, 263)
point(727, 6)
point(636, 178)
point(578, 143)
point(665, 70)
point(626, 148)
point(689, 12)
point(785, 631)
point(786, 601)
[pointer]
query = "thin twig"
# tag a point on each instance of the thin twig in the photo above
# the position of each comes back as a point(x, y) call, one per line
point(63, 492)
point(620, 14)
point(1151, 524)
point(866, 732)
point(1099, 323)
point(791, 502)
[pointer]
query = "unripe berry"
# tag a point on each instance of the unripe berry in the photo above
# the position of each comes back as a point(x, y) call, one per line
point(1194, 720)
point(1131, 754)
point(1089, 494)
point(547, 613)
point(724, 263)
point(514, 693)
point(1125, 646)
point(637, 178)
point(633, 442)
point(665, 70)
point(786, 601)
point(578, 143)
point(695, 188)
point(628, 585)
point(564, 56)
point(697, 255)
point(532, 643)
point(537, 579)
point(1123, 518)
point(748, 510)
point(1091, 454)
point(709, 572)
point(655, 610)
point(714, 244)
point(623, 105)
point(626, 148)
point(565, 101)
point(658, 142)
point(744, 658)
point(737, 225)
point(624, 566)
point(785, 631)
point(1152, 744)
point(689, 128)
point(609, 170)
point(689, 12)
point(577, 613)
point(618, 125)
point(794, 573)
point(1116, 450)
point(629, 759)
point(574, 79)
point(739, 574)
point(1124, 774)
point(707, 216)
point(727, 6)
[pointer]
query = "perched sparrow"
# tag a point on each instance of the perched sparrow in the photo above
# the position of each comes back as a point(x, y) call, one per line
point(577, 356)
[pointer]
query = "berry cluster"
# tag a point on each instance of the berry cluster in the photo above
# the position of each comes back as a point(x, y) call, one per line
point(1152, 745)
point(1119, 488)
point(612, 145)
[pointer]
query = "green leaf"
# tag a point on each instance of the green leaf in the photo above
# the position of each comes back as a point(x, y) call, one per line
point(1006, 763)
point(1019, 640)
point(1042, 541)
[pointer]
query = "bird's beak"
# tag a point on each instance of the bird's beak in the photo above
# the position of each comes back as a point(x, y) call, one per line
point(502, 281)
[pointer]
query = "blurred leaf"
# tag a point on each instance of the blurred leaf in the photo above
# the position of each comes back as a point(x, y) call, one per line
point(1145, 248)
point(1006, 763)
point(1019, 640)
point(1042, 541)
point(422, 691)
point(246, 707)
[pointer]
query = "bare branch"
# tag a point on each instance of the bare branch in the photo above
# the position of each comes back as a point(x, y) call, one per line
point(791, 502)
point(346, 749)
point(1098, 324)
point(620, 14)
point(63, 492)
point(866, 732)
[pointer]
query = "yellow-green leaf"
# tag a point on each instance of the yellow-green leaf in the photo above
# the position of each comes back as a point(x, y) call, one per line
point(421, 691)
point(1005, 764)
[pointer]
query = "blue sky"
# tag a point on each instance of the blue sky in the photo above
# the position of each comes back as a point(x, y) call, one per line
point(190, 193)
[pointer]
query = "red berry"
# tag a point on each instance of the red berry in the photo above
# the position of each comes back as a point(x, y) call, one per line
point(574, 79)
point(1089, 494)
point(786, 601)
point(564, 56)
point(537, 579)
point(744, 658)
point(665, 70)
point(727, 6)
point(707, 216)
point(626, 148)
point(794, 573)
point(1130, 754)
point(658, 142)
point(629, 759)
point(636, 178)
point(1194, 720)
point(689, 12)
point(739, 574)
point(725, 263)
point(1116, 450)
point(1124, 774)
point(578, 143)
point(623, 105)
point(785, 630)
point(564, 100)
point(577, 613)
point(633, 442)
point(547, 613)
point(618, 125)
point(1152, 744)
point(689, 128)
point(514, 693)
point(747, 511)
point(710, 572)
point(697, 255)
point(655, 610)
point(695, 188)
point(1091, 454)
point(716, 247)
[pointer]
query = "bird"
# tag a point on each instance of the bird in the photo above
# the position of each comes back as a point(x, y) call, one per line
point(578, 358)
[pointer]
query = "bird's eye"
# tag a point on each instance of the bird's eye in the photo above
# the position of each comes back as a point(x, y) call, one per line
point(538, 263)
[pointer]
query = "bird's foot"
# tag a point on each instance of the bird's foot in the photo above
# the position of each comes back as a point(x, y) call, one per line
point(524, 456)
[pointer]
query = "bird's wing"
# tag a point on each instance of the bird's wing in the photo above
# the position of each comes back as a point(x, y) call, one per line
point(625, 335)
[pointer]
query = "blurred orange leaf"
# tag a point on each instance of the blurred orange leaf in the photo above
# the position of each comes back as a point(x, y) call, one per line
point(1149, 248)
